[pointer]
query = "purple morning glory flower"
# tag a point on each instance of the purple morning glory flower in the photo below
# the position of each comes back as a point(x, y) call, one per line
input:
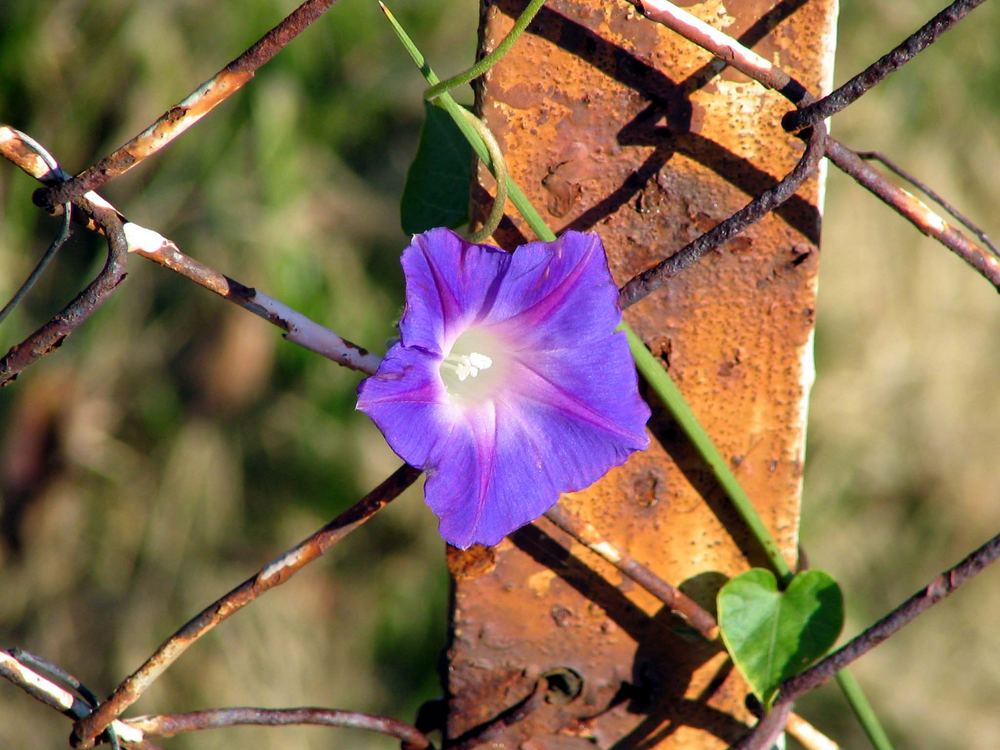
point(509, 384)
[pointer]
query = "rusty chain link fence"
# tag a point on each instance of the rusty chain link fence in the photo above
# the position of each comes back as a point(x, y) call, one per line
point(171, 445)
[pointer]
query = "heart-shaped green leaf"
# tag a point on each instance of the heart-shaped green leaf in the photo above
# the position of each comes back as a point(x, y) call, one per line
point(437, 186)
point(773, 634)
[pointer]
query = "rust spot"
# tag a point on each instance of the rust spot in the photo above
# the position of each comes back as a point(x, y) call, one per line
point(174, 114)
point(562, 194)
point(739, 244)
point(645, 487)
point(702, 221)
point(562, 616)
point(471, 563)
point(730, 364)
point(523, 96)
point(800, 255)
point(562, 685)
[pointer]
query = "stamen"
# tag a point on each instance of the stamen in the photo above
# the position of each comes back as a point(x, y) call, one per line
point(467, 365)
point(480, 361)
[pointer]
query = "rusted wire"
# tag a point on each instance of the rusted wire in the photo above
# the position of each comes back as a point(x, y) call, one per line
point(51, 685)
point(153, 246)
point(168, 725)
point(56, 673)
point(916, 212)
point(64, 233)
point(725, 48)
point(654, 277)
point(764, 72)
point(299, 329)
point(56, 688)
point(924, 188)
point(274, 574)
point(482, 734)
point(919, 40)
point(52, 334)
point(64, 678)
point(199, 103)
point(700, 619)
point(766, 731)
point(939, 588)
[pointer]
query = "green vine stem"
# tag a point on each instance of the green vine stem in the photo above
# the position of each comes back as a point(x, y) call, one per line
point(489, 60)
point(448, 103)
point(863, 710)
point(659, 380)
point(499, 170)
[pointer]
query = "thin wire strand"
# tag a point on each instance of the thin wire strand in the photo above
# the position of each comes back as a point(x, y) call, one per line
point(274, 574)
point(648, 281)
point(43, 262)
point(936, 197)
point(168, 725)
point(51, 335)
point(194, 107)
point(867, 79)
point(56, 173)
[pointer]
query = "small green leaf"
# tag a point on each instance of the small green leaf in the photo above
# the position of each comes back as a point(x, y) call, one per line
point(773, 635)
point(437, 185)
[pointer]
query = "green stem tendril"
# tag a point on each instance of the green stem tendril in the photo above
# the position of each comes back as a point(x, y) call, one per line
point(863, 710)
point(491, 59)
point(458, 114)
point(660, 382)
point(500, 170)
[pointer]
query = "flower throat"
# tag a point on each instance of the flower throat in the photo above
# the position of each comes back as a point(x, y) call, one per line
point(472, 368)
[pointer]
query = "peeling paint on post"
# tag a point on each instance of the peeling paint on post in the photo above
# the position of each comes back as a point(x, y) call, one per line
point(614, 124)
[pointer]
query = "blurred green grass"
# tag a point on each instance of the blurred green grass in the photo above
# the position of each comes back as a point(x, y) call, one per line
point(173, 443)
point(901, 472)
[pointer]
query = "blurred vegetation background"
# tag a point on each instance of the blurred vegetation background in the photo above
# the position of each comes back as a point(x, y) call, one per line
point(175, 442)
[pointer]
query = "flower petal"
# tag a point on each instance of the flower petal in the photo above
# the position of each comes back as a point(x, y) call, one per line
point(447, 283)
point(557, 294)
point(506, 461)
point(490, 478)
point(594, 388)
point(408, 402)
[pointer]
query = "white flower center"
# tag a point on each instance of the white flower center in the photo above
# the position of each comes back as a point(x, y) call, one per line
point(467, 365)
point(473, 368)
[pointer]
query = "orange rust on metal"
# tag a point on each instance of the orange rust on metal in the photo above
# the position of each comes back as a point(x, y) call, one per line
point(614, 124)
point(180, 117)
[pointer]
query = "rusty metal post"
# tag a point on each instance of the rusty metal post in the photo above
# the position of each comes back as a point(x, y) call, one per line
point(614, 124)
